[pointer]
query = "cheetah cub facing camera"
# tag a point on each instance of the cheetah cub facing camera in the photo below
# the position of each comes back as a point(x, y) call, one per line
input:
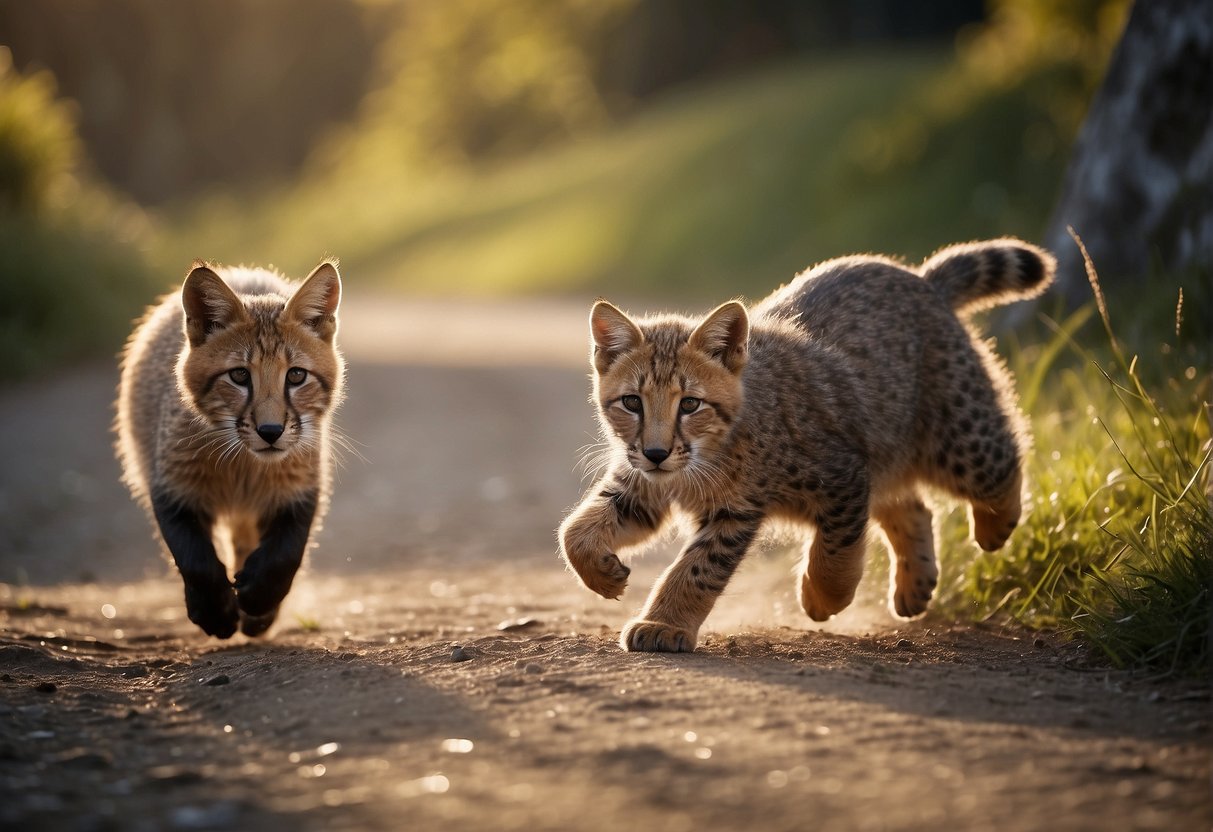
point(224, 432)
point(831, 402)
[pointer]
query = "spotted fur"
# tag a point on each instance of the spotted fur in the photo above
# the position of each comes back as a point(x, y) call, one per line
point(831, 403)
point(224, 432)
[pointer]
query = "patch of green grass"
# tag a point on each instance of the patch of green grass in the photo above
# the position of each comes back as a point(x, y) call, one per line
point(708, 193)
point(1117, 547)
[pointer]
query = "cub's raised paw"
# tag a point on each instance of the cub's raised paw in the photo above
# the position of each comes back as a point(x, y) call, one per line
point(819, 605)
point(642, 636)
point(605, 574)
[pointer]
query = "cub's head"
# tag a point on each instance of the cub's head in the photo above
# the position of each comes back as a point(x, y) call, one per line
point(668, 389)
point(261, 367)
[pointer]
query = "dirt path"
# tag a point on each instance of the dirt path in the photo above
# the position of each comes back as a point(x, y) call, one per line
point(116, 714)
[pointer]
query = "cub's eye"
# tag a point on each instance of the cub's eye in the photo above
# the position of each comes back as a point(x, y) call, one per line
point(632, 403)
point(240, 375)
point(689, 404)
point(296, 376)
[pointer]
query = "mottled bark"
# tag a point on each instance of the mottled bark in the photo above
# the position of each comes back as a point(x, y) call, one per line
point(1139, 188)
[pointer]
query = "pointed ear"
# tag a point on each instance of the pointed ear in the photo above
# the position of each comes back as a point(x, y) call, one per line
point(612, 333)
point(210, 304)
point(724, 335)
point(314, 303)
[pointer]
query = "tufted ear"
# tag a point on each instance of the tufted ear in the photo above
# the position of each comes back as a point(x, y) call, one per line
point(612, 333)
point(210, 305)
point(724, 335)
point(314, 303)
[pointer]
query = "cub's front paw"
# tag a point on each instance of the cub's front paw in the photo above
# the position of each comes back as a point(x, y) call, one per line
point(261, 588)
point(604, 574)
point(213, 608)
point(642, 636)
point(256, 625)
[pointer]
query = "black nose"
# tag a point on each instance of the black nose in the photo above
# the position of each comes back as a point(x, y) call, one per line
point(656, 455)
point(269, 433)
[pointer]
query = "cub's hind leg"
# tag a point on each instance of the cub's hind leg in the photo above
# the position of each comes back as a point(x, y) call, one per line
point(834, 560)
point(975, 452)
point(907, 528)
point(995, 514)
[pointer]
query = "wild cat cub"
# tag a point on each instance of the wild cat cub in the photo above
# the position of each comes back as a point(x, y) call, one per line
point(223, 432)
point(834, 400)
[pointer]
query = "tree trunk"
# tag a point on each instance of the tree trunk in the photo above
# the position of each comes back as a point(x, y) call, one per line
point(1139, 188)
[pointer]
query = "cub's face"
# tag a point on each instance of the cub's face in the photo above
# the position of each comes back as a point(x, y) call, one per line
point(668, 392)
point(264, 374)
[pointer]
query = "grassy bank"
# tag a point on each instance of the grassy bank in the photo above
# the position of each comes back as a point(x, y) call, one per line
point(1117, 546)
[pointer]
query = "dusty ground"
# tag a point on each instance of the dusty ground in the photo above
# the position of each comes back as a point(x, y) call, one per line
point(115, 713)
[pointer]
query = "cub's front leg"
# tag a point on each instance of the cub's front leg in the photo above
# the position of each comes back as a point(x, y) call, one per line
point(269, 571)
point(618, 512)
point(209, 600)
point(686, 592)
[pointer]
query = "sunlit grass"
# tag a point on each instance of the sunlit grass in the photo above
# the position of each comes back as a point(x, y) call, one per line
point(1117, 544)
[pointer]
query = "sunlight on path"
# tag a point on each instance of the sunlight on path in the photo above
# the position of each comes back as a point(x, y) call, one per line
point(540, 332)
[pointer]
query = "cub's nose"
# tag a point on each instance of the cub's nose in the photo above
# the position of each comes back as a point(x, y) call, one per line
point(656, 455)
point(269, 433)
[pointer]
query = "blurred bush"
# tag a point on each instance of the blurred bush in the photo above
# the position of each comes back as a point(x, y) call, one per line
point(71, 274)
point(39, 148)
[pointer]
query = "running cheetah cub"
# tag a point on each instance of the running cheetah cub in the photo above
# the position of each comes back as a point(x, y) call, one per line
point(225, 432)
point(832, 402)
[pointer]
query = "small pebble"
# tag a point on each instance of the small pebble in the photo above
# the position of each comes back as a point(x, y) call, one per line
point(221, 679)
point(458, 654)
point(46, 687)
point(533, 668)
point(1039, 642)
point(904, 644)
point(514, 624)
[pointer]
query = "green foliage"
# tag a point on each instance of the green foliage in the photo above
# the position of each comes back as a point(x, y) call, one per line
point(71, 278)
point(1118, 545)
point(38, 143)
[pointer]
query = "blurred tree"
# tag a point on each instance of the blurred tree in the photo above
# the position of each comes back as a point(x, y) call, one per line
point(479, 79)
point(175, 95)
point(1139, 189)
point(39, 148)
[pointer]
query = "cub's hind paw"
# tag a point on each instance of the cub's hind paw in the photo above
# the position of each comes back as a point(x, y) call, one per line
point(605, 575)
point(642, 636)
point(819, 605)
point(912, 601)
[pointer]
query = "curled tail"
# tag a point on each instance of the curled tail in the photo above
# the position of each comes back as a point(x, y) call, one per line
point(973, 276)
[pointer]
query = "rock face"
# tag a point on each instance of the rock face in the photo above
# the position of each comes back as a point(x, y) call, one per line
point(1139, 188)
